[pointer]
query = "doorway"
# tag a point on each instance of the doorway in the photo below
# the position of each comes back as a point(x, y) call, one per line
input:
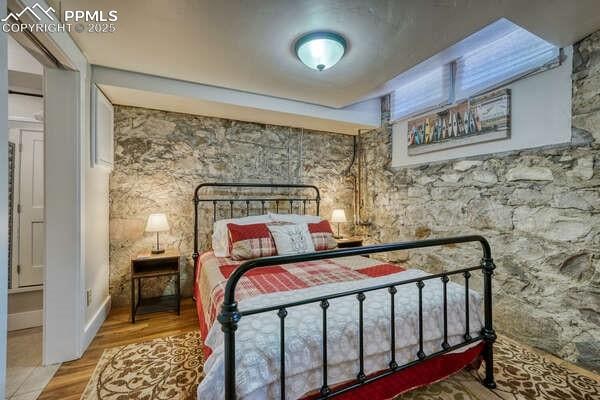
point(26, 375)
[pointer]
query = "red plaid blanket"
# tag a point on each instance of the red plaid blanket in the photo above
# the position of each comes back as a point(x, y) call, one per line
point(213, 273)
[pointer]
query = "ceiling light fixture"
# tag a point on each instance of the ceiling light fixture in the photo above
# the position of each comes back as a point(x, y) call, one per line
point(320, 50)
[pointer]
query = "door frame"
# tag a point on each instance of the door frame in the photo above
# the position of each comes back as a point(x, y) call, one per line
point(3, 201)
point(65, 158)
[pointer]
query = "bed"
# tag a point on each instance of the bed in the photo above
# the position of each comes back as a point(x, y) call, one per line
point(332, 323)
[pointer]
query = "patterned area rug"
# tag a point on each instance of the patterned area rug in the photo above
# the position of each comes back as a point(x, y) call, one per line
point(171, 368)
point(161, 369)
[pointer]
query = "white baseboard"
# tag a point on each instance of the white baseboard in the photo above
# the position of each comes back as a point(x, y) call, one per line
point(95, 323)
point(24, 320)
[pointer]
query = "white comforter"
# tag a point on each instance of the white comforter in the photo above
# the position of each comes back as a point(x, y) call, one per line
point(257, 336)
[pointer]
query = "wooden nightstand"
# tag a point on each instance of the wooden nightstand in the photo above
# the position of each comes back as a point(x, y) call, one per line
point(348, 242)
point(148, 265)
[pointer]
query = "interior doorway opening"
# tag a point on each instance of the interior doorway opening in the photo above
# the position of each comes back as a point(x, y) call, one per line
point(26, 373)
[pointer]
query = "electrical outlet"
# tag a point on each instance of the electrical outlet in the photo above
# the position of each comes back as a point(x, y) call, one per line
point(88, 297)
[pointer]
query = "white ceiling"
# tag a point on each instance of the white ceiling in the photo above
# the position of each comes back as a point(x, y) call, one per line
point(247, 45)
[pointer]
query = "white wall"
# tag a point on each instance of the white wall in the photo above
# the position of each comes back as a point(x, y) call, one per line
point(62, 295)
point(3, 200)
point(541, 116)
point(20, 60)
point(96, 235)
point(20, 106)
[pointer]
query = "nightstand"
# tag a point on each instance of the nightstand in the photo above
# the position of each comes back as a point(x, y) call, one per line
point(348, 242)
point(148, 265)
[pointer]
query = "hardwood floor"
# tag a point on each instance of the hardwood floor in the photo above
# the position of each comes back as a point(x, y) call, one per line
point(70, 380)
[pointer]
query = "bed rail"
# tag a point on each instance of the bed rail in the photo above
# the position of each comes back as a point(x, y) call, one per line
point(230, 314)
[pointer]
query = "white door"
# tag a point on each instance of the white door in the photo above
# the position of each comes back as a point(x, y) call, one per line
point(31, 209)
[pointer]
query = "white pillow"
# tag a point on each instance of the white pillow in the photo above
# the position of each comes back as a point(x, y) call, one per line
point(220, 235)
point(295, 218)
point(292, 239)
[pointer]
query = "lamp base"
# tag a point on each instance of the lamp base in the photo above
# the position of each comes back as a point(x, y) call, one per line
point(158, 251)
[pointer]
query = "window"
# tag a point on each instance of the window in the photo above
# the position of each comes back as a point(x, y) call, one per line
point(494, 56)
point(430, 90)
point(513, 55)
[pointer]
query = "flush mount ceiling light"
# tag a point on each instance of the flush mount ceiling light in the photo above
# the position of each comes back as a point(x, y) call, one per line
point(320, 50)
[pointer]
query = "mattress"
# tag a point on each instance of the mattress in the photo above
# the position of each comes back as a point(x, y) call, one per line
point(257, 337)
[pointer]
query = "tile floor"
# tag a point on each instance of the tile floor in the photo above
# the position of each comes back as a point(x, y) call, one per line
point(25, 374)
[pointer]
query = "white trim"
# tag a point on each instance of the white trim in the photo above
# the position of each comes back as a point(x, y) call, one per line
point(3, 200)
point(26, 289)
point(95, 323)
point(24, 320)
point(24, 119)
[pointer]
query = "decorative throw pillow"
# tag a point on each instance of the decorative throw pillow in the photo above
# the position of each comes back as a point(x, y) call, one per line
point(322, 236)
point(292, 239)
point(250, 241)
point(220, 235)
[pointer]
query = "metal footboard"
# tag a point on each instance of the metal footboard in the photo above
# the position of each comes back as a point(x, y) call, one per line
point(230, 314)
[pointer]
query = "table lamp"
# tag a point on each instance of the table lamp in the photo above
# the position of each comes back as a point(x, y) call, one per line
point(338, 216)
point(157, 223)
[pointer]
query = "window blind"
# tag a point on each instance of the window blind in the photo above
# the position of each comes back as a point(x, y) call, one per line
point(427, 91)
point(512, 55)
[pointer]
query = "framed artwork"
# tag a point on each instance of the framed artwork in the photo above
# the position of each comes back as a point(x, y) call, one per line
point(480, 119)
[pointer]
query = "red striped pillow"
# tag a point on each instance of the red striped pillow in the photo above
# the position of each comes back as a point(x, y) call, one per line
point(322, 235)
point(250, 241)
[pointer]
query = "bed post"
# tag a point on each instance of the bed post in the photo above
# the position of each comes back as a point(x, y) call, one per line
point(229, 318)
point(195, 254)
point(488, 333)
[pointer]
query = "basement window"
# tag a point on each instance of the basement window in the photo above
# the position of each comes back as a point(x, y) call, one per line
point(428, 91)
point(493, 57)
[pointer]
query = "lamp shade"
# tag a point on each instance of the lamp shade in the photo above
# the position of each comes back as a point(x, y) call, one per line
point(157, 223)
point(338, 216)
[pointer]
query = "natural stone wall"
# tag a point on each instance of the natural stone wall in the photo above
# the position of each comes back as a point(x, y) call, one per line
point(540, 209)
point(160, 157)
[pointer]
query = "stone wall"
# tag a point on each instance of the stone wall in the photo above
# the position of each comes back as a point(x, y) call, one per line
point(540, 209)
point(161, 156)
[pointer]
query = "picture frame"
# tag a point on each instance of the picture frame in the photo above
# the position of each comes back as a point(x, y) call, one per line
point(479, 119)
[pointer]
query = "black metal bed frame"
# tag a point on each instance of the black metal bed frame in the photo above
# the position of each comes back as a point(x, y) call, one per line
point(230, 315)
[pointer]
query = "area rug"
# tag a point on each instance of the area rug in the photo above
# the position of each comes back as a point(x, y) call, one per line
point(521, 373)
point(161, 369)
point(171, 368)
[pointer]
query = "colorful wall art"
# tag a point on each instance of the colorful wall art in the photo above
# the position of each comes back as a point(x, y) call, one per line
point(480, 119)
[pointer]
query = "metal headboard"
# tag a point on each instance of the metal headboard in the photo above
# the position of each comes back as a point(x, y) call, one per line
point(246, 200)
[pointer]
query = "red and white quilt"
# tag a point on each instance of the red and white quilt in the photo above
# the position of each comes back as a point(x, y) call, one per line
point(257, 337)
point(213, 273)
